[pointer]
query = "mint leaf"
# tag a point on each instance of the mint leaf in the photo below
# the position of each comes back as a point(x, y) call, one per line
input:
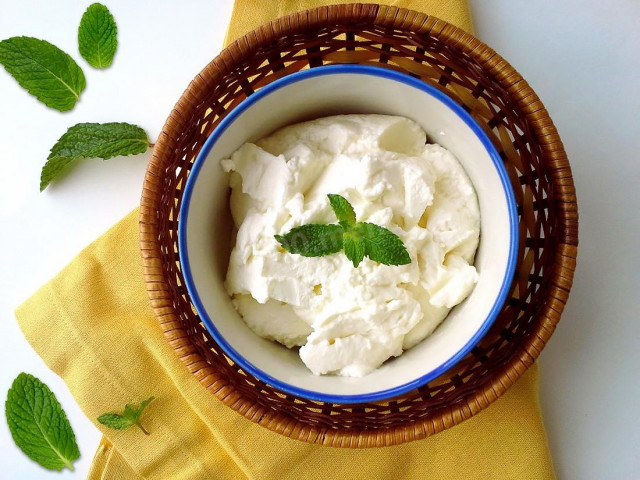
point(115, 421)
point(45, 71)
point(101, 140)
point(382, 245)
point(97, 36)
point(144, 405)
point(92, 140)
point(129, 417)
point(39, 425)
point(355, 247)
point(343, 210)
point(130, 413)
point(312, 240)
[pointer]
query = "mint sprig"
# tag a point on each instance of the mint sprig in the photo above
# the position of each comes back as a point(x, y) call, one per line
point(358, 239)
point(129, 417)
point(38, 424)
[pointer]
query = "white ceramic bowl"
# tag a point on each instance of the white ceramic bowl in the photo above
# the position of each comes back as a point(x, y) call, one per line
point(205, 226)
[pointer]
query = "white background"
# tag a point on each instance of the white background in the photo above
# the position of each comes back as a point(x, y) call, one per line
point(582, 59)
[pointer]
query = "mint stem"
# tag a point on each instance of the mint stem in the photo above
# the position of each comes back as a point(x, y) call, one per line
point(69, 465)
point(142, 428)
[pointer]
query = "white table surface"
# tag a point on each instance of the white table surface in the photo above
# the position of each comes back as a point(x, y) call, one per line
point(582, 59)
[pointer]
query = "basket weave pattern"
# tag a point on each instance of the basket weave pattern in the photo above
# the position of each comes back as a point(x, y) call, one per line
point(508, 111)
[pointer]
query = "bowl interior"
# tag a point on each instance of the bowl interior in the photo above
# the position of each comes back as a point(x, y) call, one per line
point(205, 226)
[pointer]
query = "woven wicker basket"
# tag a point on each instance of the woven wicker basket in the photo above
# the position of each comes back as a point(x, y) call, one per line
point(509, 112)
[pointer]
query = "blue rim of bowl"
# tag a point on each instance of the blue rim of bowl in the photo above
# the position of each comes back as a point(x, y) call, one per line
point(361, 70)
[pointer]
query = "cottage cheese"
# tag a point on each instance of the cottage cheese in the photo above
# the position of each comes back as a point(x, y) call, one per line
point(348, 321)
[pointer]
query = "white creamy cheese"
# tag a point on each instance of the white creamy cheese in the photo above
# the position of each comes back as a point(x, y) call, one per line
point(348, 321)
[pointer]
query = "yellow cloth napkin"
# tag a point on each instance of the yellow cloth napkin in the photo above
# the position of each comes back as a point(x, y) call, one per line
point(93, 326)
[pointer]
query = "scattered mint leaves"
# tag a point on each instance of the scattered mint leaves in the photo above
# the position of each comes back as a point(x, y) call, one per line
point(38, 424)
point(343, 210)
point(357, 238)
point(93, 140)
point(129, 417)
point(313, 240)
point(45, 71)
point(97, 36)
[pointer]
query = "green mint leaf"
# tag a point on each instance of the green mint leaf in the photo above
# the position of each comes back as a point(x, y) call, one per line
point(312, 240)
point(382, 245)
point(130, 413)
point(144, 405)
point(92, 140)
point(343, 210)
point(129, 417)
point(355, 247)
point(38, 424)
point(115, 421)
point(45, 71)
point(97, 36)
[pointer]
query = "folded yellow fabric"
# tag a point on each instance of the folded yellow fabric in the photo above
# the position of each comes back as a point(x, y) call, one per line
point(93, 325)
